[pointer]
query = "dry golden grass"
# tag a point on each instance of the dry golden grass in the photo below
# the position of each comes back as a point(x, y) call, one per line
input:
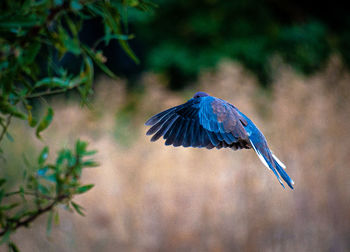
point(149, 197)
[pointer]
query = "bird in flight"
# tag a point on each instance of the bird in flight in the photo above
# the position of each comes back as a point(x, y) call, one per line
point(208, 122)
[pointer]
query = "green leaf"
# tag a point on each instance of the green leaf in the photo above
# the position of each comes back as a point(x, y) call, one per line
point(43, 189)
point(58, 2)
point(88, 73)
point(49, 223)
point(17, 21)
point(9, 137)
point(30, 53)
point(90, 163)
point(31, 121)
point(6, 237)
point(13, 247)
point(129, 51)
point(80, 147)
point(79, 209)
point(98, 62)
point(70, 44)
point(89, 153)
point(51, 178)
point(26, 161)
point(75, 5)
point(53, 82)
point(7, 108)
point(84, 188)
point(108, 37)
point(57, 218)
point(21, 193)
point(9, 207)
point(43, 171)
point(4, 65)
point(114, 24)
point(2, 181)
point(43, 155)
point(45, 122)
point(2, 194)
point(63, 155)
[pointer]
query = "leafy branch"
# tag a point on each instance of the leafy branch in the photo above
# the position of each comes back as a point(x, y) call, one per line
point(50, 185)
point(33, 32)
point(15, 224)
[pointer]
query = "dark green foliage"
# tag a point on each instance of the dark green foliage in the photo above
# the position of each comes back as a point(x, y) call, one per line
point(304, 46)
point(45, 122)
point(34, 35)
point(184, 37)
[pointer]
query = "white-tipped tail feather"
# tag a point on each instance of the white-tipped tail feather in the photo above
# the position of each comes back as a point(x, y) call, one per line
point(261, 157)
point(278, 161)
point(281, 164)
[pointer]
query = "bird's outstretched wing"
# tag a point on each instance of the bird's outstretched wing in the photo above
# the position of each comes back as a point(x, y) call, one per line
point(202, 122)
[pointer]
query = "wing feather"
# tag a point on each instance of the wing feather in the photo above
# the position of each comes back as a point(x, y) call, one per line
point(171, 133)
point(204, 138)
point(180, 134)
point(189, 134)
point(203, 122)
point(213, 138)
point(165, 127)
point(154, 119)
point(196, 137)
point(184, 139)
point(159, 124)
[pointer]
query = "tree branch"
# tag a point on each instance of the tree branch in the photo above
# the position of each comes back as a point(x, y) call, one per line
point(28, 193)
point(25, 222)
point(75, 84)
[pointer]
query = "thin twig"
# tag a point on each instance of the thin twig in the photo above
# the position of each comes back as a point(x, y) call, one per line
point(75, 84)
point(49, 92)
point(25, 222)
point(4, 128)
point(30, 194)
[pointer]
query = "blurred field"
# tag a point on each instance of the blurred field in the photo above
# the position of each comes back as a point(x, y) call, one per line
point(149, 197)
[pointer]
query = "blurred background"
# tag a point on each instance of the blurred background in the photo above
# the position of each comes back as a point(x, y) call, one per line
point(282, 63)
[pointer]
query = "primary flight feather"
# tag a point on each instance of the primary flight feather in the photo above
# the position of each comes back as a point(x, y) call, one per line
point(207, 121)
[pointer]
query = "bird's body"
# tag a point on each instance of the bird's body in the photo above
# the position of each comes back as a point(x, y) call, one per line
point(209, 122)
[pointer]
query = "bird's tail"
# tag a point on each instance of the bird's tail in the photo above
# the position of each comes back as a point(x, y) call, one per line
point(272, 162)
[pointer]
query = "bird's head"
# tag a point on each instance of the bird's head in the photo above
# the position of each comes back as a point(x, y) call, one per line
point(200, 94)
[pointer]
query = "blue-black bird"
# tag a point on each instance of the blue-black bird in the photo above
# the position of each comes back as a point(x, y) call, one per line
point(207, 121)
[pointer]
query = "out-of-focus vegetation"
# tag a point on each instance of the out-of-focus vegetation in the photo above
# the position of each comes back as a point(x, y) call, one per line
point(151, 197)
point(34, 37)
point(184, 37)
